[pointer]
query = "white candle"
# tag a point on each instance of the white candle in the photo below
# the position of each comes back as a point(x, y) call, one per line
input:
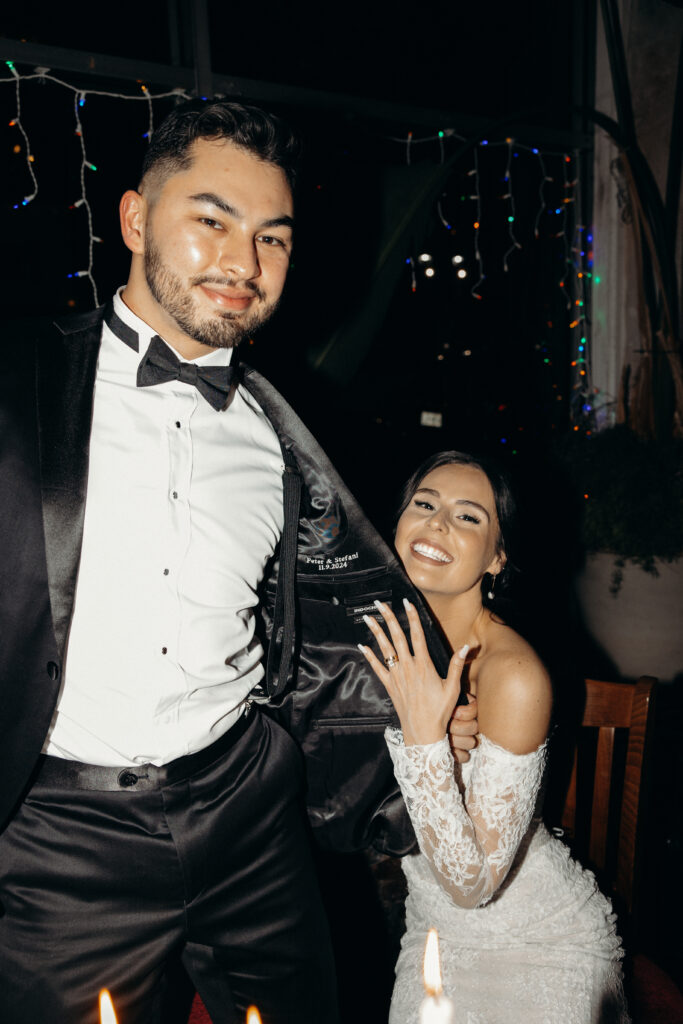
point(436, 1008)
point(107, 1015)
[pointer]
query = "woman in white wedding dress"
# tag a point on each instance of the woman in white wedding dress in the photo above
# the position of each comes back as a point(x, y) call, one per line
point(526, 936)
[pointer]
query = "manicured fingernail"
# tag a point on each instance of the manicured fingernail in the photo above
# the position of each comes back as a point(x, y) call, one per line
point(406, 604)
point(379, 605)
point(368, 620)
point(361, 648)
point(463, 650)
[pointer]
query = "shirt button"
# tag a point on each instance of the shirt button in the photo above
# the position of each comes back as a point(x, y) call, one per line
point(166, 571)
point(164, 650)
point(127, 778)
point(175, 494)
point(52, 670)
point(177, 423)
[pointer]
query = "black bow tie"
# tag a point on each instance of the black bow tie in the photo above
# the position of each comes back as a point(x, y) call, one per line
point(160, 364)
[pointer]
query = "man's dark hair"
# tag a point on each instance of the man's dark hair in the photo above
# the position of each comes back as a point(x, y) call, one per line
point(506, 506)
point(250, 128)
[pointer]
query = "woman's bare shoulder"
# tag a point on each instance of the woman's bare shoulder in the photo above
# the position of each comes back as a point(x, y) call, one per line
point(514, 693)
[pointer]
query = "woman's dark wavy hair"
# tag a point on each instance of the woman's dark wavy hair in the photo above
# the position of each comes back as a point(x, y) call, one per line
point(251, 128)
point(506, 509)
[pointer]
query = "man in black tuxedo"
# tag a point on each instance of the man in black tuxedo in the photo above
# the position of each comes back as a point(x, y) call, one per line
point(158, 503)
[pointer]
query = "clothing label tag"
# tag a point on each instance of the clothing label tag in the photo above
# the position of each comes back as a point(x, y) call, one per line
point(357, 611)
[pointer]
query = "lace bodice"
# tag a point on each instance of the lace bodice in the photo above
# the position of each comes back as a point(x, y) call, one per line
point(469, 819)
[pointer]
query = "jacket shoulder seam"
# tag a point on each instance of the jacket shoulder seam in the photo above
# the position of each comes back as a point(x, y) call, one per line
point(79, 322)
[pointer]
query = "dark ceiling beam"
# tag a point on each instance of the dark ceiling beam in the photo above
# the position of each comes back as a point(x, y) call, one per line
point(401, 116)
point(201, 48)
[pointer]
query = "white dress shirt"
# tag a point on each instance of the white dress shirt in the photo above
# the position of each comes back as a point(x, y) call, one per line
point(183, 510)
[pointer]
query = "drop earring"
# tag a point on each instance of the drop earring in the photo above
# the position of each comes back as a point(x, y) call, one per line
point(490, 593)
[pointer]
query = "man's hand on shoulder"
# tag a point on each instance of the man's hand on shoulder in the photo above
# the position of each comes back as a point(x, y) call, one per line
point(462, 729)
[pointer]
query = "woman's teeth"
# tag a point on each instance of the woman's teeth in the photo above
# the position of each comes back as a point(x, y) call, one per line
point(429, 552)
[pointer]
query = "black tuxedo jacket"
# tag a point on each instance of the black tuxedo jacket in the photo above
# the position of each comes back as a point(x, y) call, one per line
point(317, 683)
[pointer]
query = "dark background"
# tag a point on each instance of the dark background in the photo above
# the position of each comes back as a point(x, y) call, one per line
point(487, 61)
point(497, 369)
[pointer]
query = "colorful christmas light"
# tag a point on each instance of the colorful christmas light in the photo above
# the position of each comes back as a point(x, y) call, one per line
point(80, 97)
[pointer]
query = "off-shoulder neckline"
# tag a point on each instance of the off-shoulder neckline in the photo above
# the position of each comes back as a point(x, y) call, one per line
point(482, 737)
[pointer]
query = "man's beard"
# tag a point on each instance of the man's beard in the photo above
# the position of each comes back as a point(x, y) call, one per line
point(224, 330)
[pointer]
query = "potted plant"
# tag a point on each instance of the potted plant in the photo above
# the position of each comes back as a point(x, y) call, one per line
point(631, 587)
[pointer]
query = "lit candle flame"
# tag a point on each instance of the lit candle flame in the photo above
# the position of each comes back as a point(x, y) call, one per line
point(253, 1016)
point(432, 964)
point(436, 1008)
point(107, 1015)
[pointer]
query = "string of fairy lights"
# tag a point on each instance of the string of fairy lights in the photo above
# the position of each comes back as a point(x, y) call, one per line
point(555, 219)
point(80, 96)
point(575, 261)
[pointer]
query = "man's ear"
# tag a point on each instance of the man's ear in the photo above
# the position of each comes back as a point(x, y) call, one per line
point(133, 216)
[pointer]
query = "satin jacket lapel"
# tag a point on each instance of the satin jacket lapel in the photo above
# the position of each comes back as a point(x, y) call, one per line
point(66, 366)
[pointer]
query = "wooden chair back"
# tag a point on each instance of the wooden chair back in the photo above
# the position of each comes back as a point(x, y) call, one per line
point(603, 810)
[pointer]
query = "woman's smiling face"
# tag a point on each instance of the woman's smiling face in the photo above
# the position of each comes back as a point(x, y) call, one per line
point(448, 536)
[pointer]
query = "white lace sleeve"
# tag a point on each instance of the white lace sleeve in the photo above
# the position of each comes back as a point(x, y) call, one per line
point(470, 839)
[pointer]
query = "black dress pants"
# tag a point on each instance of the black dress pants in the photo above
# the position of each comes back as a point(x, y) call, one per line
point(100, 888)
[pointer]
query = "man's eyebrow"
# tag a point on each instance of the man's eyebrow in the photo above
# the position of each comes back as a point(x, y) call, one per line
point(279, 222)
point(222, 204)
point(216, 200)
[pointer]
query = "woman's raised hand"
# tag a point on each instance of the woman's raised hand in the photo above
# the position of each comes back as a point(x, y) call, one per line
point(424, 701)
